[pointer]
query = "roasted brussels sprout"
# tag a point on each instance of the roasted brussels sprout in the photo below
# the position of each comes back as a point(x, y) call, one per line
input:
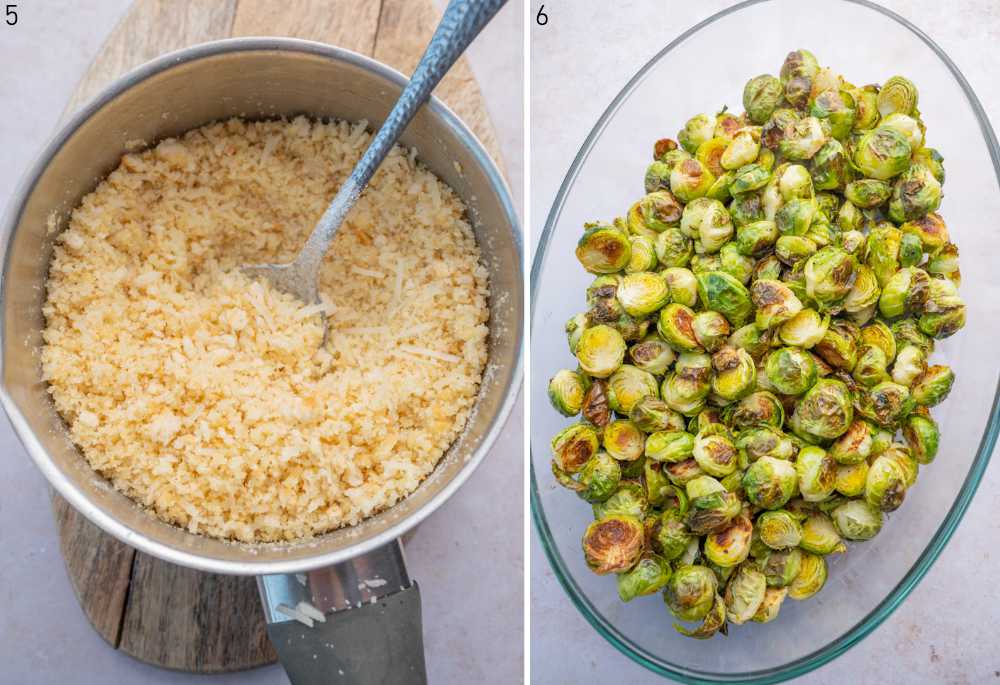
point(810, 579)
point(574, 446)
point(673, 248)
point(755, 239)
point(768, 611)
point(761, 96)
point(691, 179)
point(855, 445)
point(670, 446)
point(690, 592)
point(817, 473)
point(933, 385)
point(672, 536)
point(651, 415)
point(791, 370)
point(657, 176)
point(820, 536)
point(914, 195)
point(744, 594)
point(711, 507)
point(857, 520)
point(628, 500)
point(721, 292)
point(747, 208)
point(643, 293)
point(885, 485)
point(741, 151)
point(851, 479)
point(716, 454)
point(932, 159)
point(829, 275)
point(882, 153)
point(802, 140)
point(759, 407)
point(623, 440)
point(830, 167)
point(839, 345)
point(871, 368)
point(707, 221)
point(566, 390)
point(886, 404)
point(683, 285)
point(613, 544)
point(599, 478)
point(600, 351)
point(867, 192)
point(647, 577)
point(912, 129)
point(805, 329)
point(696, 131)
point(769, 483)
point(825, 411)
point(735, 373)
point(604, 249)
point(780, 567)
point(922, 437)
point(763, 441)
point(898, 94)
point(775, 303)
point(779, 529)
point(643, 256)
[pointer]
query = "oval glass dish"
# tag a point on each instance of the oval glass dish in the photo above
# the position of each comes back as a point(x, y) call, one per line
point(703, 69)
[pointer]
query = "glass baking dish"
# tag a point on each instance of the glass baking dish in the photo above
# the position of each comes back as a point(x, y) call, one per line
point(702, 70)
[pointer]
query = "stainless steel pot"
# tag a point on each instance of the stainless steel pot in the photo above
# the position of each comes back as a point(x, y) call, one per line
point(264, 78)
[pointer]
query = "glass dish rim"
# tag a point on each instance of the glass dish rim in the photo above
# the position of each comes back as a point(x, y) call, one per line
point(944, 532)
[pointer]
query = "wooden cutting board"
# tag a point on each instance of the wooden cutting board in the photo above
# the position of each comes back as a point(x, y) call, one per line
point(157, 612)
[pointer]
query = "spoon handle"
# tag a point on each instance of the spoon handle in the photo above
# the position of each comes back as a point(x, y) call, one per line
point(461, 23)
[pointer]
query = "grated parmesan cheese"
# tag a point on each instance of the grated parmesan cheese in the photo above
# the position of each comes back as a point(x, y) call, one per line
point(213, 400)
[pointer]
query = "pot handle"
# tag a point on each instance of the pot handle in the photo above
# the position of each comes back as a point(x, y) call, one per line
point(370, 632)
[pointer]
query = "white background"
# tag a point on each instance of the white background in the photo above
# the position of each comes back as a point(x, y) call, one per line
point(468, 556)
point(944, 632)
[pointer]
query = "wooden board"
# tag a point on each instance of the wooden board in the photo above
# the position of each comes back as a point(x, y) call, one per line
point(157, 612)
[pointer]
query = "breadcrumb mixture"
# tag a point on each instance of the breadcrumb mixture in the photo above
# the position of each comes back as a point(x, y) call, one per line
point(208, 397)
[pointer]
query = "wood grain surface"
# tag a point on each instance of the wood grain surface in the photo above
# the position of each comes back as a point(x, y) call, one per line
point(157, 612)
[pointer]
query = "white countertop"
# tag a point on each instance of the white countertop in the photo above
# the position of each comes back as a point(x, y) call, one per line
point(943, 632)
point(473, 630)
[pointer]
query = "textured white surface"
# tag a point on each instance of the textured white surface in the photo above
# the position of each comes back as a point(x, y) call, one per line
point(468, 556)
point(580, 61)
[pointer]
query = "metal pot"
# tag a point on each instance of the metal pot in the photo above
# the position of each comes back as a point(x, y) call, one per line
point(264, 78)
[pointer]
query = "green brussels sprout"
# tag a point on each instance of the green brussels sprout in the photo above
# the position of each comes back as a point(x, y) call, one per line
point(715, 622)
point(790, 370)
point(769, 608)
point(710, 154)
point(885, 485)
point(721, 292)
point(673, 248)
point(719, 189)
point(756, 239)
point(827, 204)
point(690, 593)
point(932, 159)
point(811, 577)
point(882, 252)
point(673, 157)
point(574, 446)
point(871, 368)
point(749, 177)
point(915, 194)
point(851, 479)
point(735, 373)
point(839, 345)
point(657, 485)
point(866, 107)
point(623, 440)
point(676, 327)
point(802, 140)
point(942, 324)
point(817, 473)
point(780, 567)
point(922, 437)
point(744, 594)
point(830, 167)
point(715, 454)
point(941, 298)
point(850, 220)
point(910, 363)
point(797, 73)
point(829, 276)
point(792, 249)
point(944, 264)
point(877, 333)
point(867, 192)
point(683, 285)
point(656, 212)
point(760, 407)
point(805, 329)
point(747, 208)
point(821, 231)
point(795, 216)
point(882, 153)
point(647, 577)
point(898, 94)
point(773, 131)
point(672, 536)
point(766, 158)
point(735, 264)
point(907, 332)
point(657, 176)
point(933, 385)
point(603, 249)
point(703, 263)
point(670, 446)
point(775, 303)
point(908, 466)
point(682, 472)
point(886, 404)
point(752, 339)
point(852, 241)
point(643, 253)
point(763, 441)
point(613, 544)
point(566, 390)
point(711, 507)
point(643, 293)
point(769, 483)
point(685, 390)
point(857, 520)
point(741, 151)
point(707, 221)
point(779, 529)
point(711, 329)
point(599, 478)
point(664, 147)
point(628, 500)
point(727, 124)
point(912, 129)
point(825, 411)
point(731, 546)
point(864, 293)
point(837, 107)
point(696, 131)
point(930, 229)
point(761, 96)
point(691, 179)
point(820, 536)
point(652, 354)
point(651, 415)
point(855, 445)
point(600, 351)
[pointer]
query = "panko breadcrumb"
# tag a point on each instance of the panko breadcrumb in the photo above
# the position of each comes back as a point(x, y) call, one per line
point(210, 398)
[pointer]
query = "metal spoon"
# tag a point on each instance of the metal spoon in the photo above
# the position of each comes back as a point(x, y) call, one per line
point(461, 23)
